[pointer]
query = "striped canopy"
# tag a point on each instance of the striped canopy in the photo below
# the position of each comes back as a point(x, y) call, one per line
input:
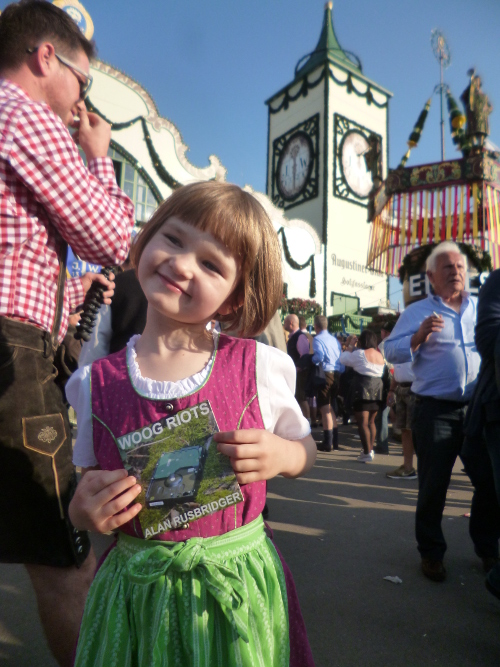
point(412, 212)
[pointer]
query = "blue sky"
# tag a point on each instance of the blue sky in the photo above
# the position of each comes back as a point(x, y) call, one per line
point(210, 66)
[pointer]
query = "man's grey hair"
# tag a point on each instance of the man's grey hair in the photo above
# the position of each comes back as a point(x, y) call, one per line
point(445, 246)
point(321, 322)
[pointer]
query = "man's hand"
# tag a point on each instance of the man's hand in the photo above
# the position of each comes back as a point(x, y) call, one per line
point(92, 133)
point(89, 278)
point(74, 318)
point(431, 324)
point(257, 454)
point(101, 498)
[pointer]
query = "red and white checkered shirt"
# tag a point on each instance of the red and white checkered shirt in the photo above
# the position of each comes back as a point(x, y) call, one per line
point(47, 192)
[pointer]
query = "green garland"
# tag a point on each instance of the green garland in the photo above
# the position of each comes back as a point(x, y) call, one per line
point(136, 164)
point(351, 88)
point(299, 267)
point(352, 323)
point(155, 158)
point(306, 87)
point(480, 259)
point(302, 92)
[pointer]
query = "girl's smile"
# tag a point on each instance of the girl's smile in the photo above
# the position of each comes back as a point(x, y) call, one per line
point(170, 284)
point(187, 274)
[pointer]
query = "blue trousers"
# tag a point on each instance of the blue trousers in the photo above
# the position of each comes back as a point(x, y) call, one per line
point(437, 429)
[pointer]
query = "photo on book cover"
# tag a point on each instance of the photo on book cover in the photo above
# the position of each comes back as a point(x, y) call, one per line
point(183, 476)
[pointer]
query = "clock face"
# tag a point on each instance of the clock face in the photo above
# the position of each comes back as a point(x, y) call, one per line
point(352, 150)
point(295, 165)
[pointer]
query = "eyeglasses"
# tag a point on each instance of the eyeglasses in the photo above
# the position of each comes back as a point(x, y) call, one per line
point(87, 79)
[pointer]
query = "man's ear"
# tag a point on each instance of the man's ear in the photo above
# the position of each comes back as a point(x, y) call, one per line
point(44, 58)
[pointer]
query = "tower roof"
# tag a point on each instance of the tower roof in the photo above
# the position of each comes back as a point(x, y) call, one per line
point(327, 49)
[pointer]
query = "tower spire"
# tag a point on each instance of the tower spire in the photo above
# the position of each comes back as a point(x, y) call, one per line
point(327, 49)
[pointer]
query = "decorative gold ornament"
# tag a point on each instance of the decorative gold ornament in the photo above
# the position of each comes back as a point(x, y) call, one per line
point(79, 15)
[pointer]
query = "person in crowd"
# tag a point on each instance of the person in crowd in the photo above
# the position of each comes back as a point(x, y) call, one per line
point(303, 328)
point(117, 322)
point(297, 346)
point(327, 351)
point(368, 365)
point(275, 334)
point(219, 578)
point(437, 334)
point(48, 198)
point(310, 389)
point(401, 397)
point(382, 418)
point(481, 449)
point(344, 399)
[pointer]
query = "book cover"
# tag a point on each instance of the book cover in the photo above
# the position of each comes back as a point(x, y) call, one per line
point(183, 476)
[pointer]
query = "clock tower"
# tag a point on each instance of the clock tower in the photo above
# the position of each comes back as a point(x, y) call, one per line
point(327, 144)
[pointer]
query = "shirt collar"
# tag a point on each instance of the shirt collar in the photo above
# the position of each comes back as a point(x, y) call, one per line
point(11, 89)
point(437, 299)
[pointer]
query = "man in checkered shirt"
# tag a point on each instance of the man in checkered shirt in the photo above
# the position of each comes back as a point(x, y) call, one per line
point(47, 198)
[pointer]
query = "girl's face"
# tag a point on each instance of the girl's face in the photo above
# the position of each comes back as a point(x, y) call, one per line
point(186, 274)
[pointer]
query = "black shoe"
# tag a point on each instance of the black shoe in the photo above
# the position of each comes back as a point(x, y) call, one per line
point(433, 569)
point(380, 450)
point(488, 563)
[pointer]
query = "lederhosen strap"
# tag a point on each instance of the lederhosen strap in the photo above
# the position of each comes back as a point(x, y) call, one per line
point(52, 339)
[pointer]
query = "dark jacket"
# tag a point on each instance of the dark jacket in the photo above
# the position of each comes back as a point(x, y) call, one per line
point(128, 310)
point(485, 403)
point(291, 346)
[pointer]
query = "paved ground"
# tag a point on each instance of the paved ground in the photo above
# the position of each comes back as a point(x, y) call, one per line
point(342, 529)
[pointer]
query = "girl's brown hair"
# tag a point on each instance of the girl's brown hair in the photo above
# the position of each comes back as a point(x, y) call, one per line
point(237, 220)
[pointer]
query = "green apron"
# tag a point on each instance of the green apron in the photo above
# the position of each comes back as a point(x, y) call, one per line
point(202, 603)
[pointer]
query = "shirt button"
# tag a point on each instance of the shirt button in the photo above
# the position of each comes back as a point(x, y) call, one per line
point(185, 526)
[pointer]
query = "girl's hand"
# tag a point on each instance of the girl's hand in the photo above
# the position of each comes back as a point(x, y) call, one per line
point(100, 498)
point(257, 454)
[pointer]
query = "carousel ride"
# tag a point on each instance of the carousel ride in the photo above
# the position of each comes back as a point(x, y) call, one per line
point(457, 200)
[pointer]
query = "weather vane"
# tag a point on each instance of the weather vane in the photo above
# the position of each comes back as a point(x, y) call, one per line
point(441, 50)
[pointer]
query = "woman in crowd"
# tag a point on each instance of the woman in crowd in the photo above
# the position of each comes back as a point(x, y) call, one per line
point(368, 364)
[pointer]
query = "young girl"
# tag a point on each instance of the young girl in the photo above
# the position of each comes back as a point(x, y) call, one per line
point(214, 591)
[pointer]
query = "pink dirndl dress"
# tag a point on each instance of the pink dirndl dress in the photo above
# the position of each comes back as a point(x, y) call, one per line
point(231, 388)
